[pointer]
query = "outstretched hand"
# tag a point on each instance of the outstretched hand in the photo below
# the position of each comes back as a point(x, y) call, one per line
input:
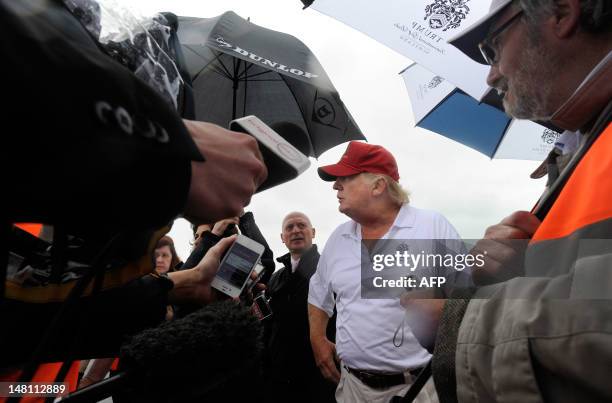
point(194, 285)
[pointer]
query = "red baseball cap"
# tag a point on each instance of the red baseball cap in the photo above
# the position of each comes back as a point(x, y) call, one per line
point(361, 157)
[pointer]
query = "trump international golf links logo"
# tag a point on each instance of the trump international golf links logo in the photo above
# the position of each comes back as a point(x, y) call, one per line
point(437, 80)
point(446, 14)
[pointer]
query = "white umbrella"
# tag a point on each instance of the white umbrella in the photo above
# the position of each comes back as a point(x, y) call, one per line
point(419, 30)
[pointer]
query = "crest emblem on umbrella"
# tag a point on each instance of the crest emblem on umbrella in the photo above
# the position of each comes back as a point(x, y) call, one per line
point(446, 14)
point(549, 136)
point(437, 80)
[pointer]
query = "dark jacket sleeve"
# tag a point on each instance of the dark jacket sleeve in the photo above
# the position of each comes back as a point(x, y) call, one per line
point(208, 241)
point(90, 144)
point(94, 327)
point(249, 228)
point(86, 146)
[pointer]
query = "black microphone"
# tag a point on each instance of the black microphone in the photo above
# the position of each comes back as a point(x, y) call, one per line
point(211, 354)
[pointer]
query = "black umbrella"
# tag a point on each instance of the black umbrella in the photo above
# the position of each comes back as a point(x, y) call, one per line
point(239, 69)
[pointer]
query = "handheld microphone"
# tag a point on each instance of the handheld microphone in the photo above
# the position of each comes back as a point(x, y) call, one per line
point(282, 158)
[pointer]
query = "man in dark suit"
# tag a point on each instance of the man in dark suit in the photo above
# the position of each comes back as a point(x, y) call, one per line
point(291, 372)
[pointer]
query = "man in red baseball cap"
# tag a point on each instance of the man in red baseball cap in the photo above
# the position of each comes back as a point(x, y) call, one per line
point(361, 157)
point(380, 165)
point(374, 365)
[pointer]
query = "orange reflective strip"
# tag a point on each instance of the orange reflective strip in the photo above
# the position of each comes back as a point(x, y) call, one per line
point(32, 228)
point(587, 195)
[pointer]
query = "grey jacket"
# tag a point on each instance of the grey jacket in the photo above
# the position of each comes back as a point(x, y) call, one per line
point(546, 336)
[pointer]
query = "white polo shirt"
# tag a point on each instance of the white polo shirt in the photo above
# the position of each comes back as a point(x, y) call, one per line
point(365, 328)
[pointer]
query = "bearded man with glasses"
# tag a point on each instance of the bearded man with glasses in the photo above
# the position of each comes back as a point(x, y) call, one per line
point(546, 333)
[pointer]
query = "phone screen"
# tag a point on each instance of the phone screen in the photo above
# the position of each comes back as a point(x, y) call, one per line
point(237, 265)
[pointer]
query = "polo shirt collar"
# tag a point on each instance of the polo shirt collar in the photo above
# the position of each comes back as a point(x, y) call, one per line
point(406, 218)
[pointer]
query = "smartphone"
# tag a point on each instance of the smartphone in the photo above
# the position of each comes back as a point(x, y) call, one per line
point(283, 160)
point(236, 266)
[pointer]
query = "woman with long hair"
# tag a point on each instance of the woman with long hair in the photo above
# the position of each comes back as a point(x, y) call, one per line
point(164, 256)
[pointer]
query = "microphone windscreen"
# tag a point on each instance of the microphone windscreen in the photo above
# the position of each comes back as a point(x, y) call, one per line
point(196, 355)
point(294, 135)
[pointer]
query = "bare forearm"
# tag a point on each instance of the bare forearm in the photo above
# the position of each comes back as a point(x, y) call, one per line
point(194, 285)
point(181, 290)
point(318, 320)
point(324, 351)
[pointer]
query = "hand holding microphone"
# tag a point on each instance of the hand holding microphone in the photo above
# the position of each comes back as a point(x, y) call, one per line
point(223, 184)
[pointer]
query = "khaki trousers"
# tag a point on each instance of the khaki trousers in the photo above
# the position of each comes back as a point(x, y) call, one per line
point(351, 390)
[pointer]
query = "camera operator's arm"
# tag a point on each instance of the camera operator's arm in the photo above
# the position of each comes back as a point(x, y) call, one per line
point(89, 152)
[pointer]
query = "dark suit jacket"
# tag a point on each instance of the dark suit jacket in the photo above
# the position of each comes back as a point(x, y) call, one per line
point(289, 362)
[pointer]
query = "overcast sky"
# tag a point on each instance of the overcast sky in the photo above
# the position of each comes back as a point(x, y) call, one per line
point(472, 191)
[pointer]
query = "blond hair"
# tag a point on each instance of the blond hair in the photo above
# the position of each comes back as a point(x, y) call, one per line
point(396, 192)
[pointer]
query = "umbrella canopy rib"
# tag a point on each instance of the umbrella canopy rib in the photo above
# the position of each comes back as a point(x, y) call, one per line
point(208, 63)
point(501, 138)
point(269, 74)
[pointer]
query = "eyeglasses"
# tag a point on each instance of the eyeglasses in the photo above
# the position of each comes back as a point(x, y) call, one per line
point(487, 47)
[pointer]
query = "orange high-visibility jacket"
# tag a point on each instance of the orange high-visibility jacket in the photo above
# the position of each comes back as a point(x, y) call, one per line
point(547, 336)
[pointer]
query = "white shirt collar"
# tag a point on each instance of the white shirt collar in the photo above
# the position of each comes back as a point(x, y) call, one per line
point(294, 263)
point(406, 218)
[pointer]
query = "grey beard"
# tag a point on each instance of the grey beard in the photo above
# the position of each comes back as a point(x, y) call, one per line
point(533, 83)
